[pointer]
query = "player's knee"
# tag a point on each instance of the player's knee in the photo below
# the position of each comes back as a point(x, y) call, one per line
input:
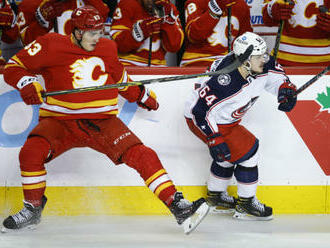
point(223, 169)
point(141, 158)
point(34, 151)
point(246, 175)
point(251, 161)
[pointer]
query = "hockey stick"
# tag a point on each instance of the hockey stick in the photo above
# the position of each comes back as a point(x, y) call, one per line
point(278, 38)
point(156, 11)
point(229, 29)
point(236, 63)
point(313, 80)
point(150, 51)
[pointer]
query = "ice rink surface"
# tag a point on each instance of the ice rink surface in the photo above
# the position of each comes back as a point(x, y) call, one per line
point(217, 230)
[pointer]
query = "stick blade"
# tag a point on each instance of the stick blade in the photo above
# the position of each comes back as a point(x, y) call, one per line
point(243, 57)
point(239, 60)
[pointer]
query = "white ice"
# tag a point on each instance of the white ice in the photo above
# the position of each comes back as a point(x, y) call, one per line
point(217, 230)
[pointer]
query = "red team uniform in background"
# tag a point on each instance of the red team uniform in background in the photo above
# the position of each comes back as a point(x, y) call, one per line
point(134, 53)
point(28, 28)
point(208, 36)
point(302, 42)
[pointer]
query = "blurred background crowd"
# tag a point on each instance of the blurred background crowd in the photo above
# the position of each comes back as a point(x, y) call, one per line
point(184, 33)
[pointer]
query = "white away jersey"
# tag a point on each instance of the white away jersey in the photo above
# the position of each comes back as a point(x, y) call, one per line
point(224, 99)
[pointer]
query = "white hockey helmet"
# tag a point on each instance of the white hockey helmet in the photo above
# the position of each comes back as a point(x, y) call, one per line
point(242, 42)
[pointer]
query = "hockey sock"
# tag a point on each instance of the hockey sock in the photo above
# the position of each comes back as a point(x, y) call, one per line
point(33, 173)
point(247, 179)
point(146, 162)
point(220, 176)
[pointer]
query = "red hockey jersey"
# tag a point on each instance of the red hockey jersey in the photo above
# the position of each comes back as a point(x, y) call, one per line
point(134, 53)
point(302, 42)
point(66, 66)
point(208, 36)
point(30, 29)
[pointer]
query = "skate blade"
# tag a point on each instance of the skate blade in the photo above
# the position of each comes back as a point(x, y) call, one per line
point(193, 221)
point(219, 210)
point(7, 230)
point(245, 216)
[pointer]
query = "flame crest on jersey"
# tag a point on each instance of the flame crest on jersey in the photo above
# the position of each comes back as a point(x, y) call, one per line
point(224, 79)
point(83, 69)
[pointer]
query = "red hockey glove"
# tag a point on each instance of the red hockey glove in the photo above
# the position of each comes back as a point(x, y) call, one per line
point(219, 149)
point(323, 19)
point(218, 7)
point(142, 29)
point(287, 96)
point(48, 11)
point(7, 17)
point(169, 16)
point(280, 9)
point(30, 90)
point(147, 99)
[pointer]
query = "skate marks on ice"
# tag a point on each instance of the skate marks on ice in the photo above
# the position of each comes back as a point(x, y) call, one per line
point(303, 231)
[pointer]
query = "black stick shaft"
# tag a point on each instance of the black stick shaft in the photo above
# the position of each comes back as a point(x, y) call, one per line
point(229, 29)
point(236, 63)
point(150, 51)
point(313, 80)
point(278, 39)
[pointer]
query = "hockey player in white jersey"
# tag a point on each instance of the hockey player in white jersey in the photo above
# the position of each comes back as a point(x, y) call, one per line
point(214, 111)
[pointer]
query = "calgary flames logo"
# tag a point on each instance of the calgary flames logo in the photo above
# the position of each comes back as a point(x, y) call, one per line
point(85, 73)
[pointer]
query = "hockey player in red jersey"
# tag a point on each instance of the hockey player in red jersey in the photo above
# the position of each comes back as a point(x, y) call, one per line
point(38, 17)
point(85, 119)
point(207, 29)
point(137, 22)
point(8, 19)
point(214, 112)
point(306, 31)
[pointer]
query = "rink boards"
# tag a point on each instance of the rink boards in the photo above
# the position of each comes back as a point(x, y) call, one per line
point(294, 153)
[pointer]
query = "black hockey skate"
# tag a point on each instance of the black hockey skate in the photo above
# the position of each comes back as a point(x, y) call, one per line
point(251, 209)
point(189, 214)
point(28, 217)
point(221, 202)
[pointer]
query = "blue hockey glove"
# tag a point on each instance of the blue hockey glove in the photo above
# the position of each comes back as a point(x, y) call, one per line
point(219, 149)
point(287, 96)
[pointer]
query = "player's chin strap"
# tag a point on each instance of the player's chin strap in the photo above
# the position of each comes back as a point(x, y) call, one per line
point(247, 65)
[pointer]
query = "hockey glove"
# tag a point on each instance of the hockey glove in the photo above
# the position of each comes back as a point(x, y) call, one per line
point(169, 16)
point(147, 99)
point(48, 11)
point(219, 149)
point(30, 90)
point(7, 17)
point(280, 9)
point(323, 19)
point(287, 96)
point(142, 29)
point(217, 7)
